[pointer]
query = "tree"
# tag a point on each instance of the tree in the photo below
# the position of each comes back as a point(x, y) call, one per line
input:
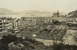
point(23, 18)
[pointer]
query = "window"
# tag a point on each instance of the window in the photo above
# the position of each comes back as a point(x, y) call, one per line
point(0, 23)
point(0, 26)
point(0, 20)
point(0, 29)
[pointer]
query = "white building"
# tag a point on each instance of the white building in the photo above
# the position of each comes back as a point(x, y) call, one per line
point(70, 37)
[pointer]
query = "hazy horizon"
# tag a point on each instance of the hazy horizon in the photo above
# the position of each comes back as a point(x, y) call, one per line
point(39, 5)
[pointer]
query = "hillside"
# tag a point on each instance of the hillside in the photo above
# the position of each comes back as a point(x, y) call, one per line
point(73, 14)
point(7, 12)
point(4, 11)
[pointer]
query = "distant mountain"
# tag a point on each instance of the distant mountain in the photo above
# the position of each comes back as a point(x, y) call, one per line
point(35, 12)
point(73, 14)
point(4, 11)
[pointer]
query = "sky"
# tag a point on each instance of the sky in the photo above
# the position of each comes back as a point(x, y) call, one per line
point(42, 5)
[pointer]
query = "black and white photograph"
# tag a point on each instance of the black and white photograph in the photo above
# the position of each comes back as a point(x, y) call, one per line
point(38, 24)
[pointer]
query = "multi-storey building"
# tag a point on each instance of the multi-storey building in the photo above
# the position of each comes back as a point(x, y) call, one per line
point(5, 24)
point(1, 25)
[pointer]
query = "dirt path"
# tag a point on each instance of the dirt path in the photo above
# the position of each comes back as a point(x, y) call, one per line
point(46, 42)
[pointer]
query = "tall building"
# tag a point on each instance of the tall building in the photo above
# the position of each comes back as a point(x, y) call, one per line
point(1, 25)
point(5, 24)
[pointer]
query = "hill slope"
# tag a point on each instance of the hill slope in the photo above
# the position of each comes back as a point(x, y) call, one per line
point(29, 13)
point(4, 11)
point(73, 14)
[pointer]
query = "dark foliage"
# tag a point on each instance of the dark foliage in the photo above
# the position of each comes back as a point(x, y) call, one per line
point(29, 43)
point(64, 47)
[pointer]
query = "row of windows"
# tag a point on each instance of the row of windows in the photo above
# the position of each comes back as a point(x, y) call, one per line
point(71, 20)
